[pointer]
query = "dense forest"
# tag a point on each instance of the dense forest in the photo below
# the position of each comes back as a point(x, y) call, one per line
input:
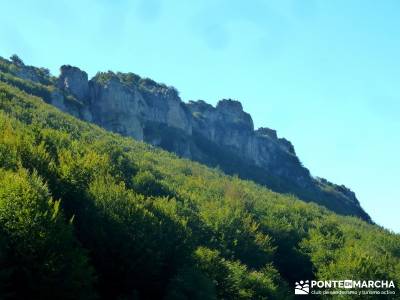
point(88, 214)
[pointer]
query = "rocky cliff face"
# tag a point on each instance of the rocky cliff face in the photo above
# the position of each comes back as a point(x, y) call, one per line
point(221, 136)
point(74, 81)
point(126, 105)
point(229, 126)
point(117, 104)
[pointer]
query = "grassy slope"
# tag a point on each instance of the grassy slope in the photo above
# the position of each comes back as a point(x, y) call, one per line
point(148, 224)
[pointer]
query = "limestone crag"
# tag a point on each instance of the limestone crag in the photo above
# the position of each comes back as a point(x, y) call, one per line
point(74, 81)
point(222, 136)
point(127, 104)
point(117, 107)
point(228, 125)
point(120, 106)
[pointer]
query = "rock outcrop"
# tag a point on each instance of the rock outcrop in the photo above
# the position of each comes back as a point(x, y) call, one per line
point(117, 107)
point(126, 105)
point(74, 81)
point(229, 126)
point(123, 106)
point(222, 136)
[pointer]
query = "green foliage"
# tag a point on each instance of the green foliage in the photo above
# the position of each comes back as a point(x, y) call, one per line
point(16, 60)
point(131, 80)
point(86, 212)
point(146, 183)
point(233, 280)
point(338, 250)
point(38, 82)
point(15, 66)
point(30, 87)
point(40, 255)
point(7, 66)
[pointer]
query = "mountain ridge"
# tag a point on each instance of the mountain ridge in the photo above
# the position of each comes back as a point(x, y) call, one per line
point(222, 136)
point(86, 213)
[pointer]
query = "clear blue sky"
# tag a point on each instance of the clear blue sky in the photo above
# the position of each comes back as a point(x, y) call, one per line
point(325, 74)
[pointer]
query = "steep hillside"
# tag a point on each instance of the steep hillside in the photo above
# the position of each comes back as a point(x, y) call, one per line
point(221, 136)
point(86, 214)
